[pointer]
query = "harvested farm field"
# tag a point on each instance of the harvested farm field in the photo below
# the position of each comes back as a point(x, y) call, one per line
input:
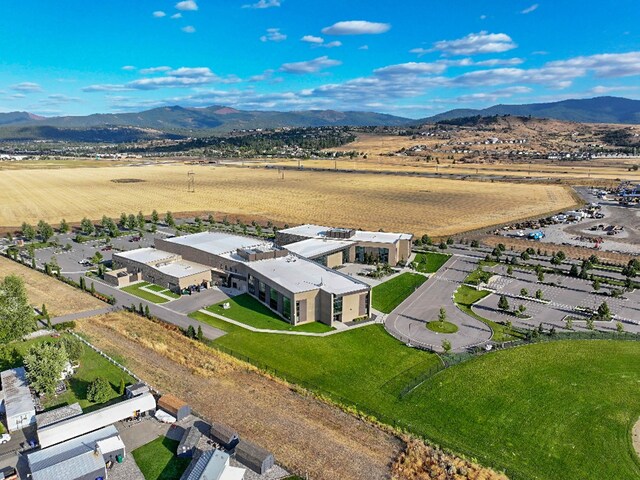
point(368, 201)
point(301, 431)
point(59, 297)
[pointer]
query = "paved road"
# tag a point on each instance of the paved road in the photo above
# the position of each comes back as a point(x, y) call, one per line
point(408, 320)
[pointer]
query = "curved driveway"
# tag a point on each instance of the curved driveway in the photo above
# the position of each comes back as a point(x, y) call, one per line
point(408, 321)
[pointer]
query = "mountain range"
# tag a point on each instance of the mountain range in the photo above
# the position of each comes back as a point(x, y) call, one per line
point(176, 121)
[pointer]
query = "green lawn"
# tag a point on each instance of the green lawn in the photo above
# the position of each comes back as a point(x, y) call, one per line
point(250, 311)
point(442, 327)
point(466, 296)
point(163, 290)
point(135, 290)
point(158, 461)
point(430, 262)
point(390, 294)
point(560, 410)
point(478, 276)
point(91, 366)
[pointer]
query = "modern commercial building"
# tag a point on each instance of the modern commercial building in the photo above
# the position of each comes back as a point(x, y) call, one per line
point(17, 401)
point(336, 246)
point(157, 266)
point(76, 426)
point(81, 458)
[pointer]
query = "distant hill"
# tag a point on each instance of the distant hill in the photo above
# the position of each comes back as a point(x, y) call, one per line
point(99, 134)
point(592, 110)
point(215, 119)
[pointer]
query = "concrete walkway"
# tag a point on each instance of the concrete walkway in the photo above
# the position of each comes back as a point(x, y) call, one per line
point(80, 315)
point(340, 329)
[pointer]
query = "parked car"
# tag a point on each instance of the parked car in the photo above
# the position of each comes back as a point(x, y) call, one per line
point(4, 438)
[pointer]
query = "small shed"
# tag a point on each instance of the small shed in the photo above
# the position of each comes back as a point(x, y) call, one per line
point(173, 405)
point(224, 436)
point(253, 456)
point(189, 442)
point(136, 389)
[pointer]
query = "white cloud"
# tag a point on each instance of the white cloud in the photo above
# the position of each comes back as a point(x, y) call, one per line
point(159, 14)
point(411, 68)
point(176, 16)
point(530, 9)
point(483, 17)
point(191, 72)
point(604, 65)
point(273, 35)
point(476, 43)
point(149, 71)
point(493, 96)
point(27, 87)
point(420, 51)
point(603, 90)
point(128, 67)
point(187, 5)
point(189, 29)
point(356, 27)
point(264, 4)
point(333, 44)
point(364, 47)
point(312, 39)
point(310, 66)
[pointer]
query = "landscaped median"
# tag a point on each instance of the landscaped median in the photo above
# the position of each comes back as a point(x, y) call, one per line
point(429, 262)
point(388, 295)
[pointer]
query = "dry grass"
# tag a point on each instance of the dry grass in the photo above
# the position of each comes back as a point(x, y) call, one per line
point(305, 434)
point(394, 203)
point(59, 298)
point(423, 462)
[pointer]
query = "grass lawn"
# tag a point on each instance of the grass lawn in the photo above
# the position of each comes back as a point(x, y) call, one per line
point(465, 297)
point(164, 291)
point(390, 294)
point(250, 311)
point(135, 290)
point(442, 327)
point(478, 276)
point(545, 411)
point(158, 461)
point(430, 262)
point(92, 366)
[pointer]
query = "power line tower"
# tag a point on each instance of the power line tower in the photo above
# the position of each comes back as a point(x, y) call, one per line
point(191, 182)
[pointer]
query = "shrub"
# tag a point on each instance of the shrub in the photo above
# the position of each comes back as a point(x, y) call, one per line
point(99, 391)
point(65, 326)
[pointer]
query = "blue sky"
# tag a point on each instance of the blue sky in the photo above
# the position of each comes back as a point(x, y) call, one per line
point(411, 58)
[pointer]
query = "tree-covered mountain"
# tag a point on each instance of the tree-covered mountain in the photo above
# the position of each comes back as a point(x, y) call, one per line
point(591, 110)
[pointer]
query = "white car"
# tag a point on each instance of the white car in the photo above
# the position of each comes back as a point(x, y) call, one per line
point(4, 438)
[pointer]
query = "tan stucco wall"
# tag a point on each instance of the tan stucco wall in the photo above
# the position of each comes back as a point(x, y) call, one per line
point(334, 260)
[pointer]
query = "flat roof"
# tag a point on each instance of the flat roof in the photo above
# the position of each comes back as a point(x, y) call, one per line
point(298, 275)
point(214, 465)
point(319, 231)
point(17, 396)
point(146, 255)
point(70, 459)
point(182, 268)
point(218, 243)
point(315, 247)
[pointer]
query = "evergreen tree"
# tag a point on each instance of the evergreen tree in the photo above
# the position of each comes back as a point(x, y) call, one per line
point(155, 218)
point(200, 335)
point(191, 332)
point(503, 303)
point(121, 387)
point(64, 226)
point(147, 312)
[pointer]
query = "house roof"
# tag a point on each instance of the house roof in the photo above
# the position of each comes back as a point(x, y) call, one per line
point(171, 402)
point(250, 452)
point(17, 396)
point(297, 275)
point(182, 268)
point(146, 255)
point(318, 231)
point(316, 247)
point(223, 433)
point(57, 415)
point(217, 243)
point(214, 465)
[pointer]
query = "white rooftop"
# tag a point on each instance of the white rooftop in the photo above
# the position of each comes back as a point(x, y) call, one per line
point(214, 465)
point(298, 275)
point(146, 255)
point(315, 247)
point(319, 231)
point(182, 268)
point(17, 396)
point(218, 243)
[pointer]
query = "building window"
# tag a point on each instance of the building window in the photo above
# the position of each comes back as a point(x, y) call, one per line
point(286, 307)
point(273, 298)
point(360, 254)
point(250, 285)
point(322, 260)
point(262, 296)
point(337, 305)
point(383, 255)
point(345, 256)
point(297, 311)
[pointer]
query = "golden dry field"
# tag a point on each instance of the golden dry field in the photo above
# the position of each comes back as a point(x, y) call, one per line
point(59, 298)
point(369, 201)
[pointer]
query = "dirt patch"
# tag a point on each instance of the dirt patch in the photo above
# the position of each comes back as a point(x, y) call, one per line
point(306, 435)
point(59, 297)
point(635, 437)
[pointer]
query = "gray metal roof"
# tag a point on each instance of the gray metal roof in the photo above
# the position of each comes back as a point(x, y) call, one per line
point(57, 415)
point(70, 459)
point(17, 396)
